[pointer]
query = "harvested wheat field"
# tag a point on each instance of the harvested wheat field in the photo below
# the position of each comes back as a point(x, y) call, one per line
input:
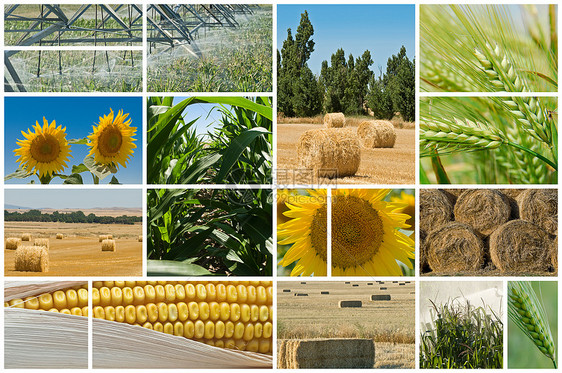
point(80, 252)
point(317, 317)
point(489, 232)
point(377, 166)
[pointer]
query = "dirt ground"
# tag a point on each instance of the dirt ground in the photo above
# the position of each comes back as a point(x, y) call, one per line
point(389, 323)
point(378, 166)
point(79, 253)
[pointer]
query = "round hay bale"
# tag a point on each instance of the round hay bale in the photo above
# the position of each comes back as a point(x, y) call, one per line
point(108, 245)
point(540, 206)
point(554, 254)
point(435, 209)
point(140, 238)
point(423, 250)
point(454, 247)
point(324, 292)
point(382, 288)
point(377, 134)
point(520, 246)
point(301, 295)
point(332, 152)
point(483, 209)
point(102, 237)
point(109, 236)
point(380, 297)
point(334, 120)
point(32, 259)
point(511, 193)
point(59, 236)
point(42, 242)
point(350, 304)
point(26, 237)
point(12, 243)
point(286, 290)
point(452, 194)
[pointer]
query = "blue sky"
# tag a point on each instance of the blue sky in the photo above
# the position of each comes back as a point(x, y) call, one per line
point(208, 114)
point(78, 115)
point(382, 29)
point(73, 198)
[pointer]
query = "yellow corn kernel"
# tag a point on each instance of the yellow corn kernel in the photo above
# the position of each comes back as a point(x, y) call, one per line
point(138, 296)
point(160, 293)
point(130, 314)
point(225, 311)
point(199, 329)
point(109, 313)
point(204, 311)
point(142, 313)
point(242, 293)
point(82, 297)
point(230, 343)
point(141, 283)
point(209, 330)
point(178, 328)
point(219, 329)
point(120, 313)
point(267, 330)
point(252, 294)
point(183, 311)
point(234, 312)
point(130, 284)
point(180, 292)
point(219, 343)
point(76, 311)
point(71, 298)
point(99, 312)
point(16, 303)
point(253, 345)
point(172, 312)
point(270, 311)
point(193, 310)
point(152, 311)
point(188, 329)
point(105, 297)
point(265, 346)
point(147, 325)
point(109, 284)
point(214, 311)
point(162, 282)
point(201, 292)
point(238, 330)
point(116, 296)
point(162, 312)
point(85, 311)
point(66, 311)
point(258, 330)
point(231, 294)
point(261, 295)
point(54, 310)
point(190, 292)
point(240, 345)
point(97, 284)
point(149, 294)
point(158, 326)
point(31, 303)
point(153, 283)
point(221, 292)
point(169, 328)
point(95, 297)
point(245, 313)
point(128, 296)
point(6, 304)
point(264, 313)
point(211, 292)
point(228, 329)
point(170, 293)
point(255, 313)
point(248, 332)
point(59, 299)
point(119, 284)
point(269, 291)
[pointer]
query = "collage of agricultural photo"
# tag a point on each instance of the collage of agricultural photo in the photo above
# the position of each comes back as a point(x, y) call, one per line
point(280, 185)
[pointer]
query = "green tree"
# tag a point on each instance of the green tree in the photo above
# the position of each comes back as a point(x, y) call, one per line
point(379, 99)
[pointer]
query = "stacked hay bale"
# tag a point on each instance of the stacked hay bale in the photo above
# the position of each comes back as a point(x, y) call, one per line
point(483, 229)
point(377, 134)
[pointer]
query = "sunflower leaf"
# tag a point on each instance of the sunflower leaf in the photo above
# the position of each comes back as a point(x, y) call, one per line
point(18, 174)
point(73, 179)
point(83, 141)
point(76, 169)
point(98, 169)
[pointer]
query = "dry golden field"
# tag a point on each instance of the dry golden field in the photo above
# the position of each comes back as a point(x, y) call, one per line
point(378, 166)
point(79, 252)
point(389, 323)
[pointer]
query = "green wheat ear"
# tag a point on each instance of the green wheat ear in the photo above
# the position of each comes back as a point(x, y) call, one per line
point(527, 312)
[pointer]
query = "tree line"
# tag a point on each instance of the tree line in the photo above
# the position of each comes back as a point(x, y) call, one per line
point(345, 85)
point(71, 217)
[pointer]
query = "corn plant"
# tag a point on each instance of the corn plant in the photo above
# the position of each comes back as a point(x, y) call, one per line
point(205, 232)
point(462, 337)
point(239, 151)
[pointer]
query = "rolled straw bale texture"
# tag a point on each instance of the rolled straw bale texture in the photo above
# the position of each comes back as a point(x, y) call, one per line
point(380, 297)
point(540, 206)
point(334, 120)
point(326, 353)
point(102, 237)
point(108, 245)
point(331, 152)
point(350, 304)
point(32, 259)
point(13, 243)
point(436, 209)
point(377, 134)
point(512, 193)
point(26, 237)
point(482, 209)
point(42, 242)
point(520, 246)
point(423, 249)
point(59, 236)
point(454, 247)
point(554, 254)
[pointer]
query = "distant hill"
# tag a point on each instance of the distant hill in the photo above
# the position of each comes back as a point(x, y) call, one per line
point(14, 207)
point(108, 211)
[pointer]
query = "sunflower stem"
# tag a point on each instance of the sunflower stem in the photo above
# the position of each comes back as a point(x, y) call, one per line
point(45, 179)
point(96, 179)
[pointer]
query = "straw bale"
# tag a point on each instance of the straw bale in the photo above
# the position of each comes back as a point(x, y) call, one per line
point(482, 209)
point(334, 120)
point(382, 288)
point(423, 250)
point(42, 242)
point(511, 193)
point(108, 245)
point(380, 297)
point(401, 284)
point(140, 238)
point(454, 247)
point(32, 259)
point(347, 282)
point(286, 290)
point(102, 237)
point(331, 152)
point(350, 304)
point(369, 283)
point(13, 243)
point(300, 294)
point(355, 285)
point(377, 134)
point(540, 206)
point(520, 246)
point(324, 292)
point(303, 283)
point(109, 236)
point(554, 254)
point(435, 209)
point(452, 194)
point(26, 237)
point(59, 236)
point(326, 353)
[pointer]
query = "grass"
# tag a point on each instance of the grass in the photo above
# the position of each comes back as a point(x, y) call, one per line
point(233, 60)
point(462, 337)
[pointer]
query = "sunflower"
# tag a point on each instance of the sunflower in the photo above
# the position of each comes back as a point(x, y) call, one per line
point(410, 208)
point(45, 151)
point(112, 140)
point(365, 235)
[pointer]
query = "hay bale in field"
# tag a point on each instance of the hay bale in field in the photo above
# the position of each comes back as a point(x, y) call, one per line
point(355, 285)
point(303, 283)
point(331, 152)
point(482, 209)
point(286, 290)
point(334, 120)
point(108, 245)
point(540, 206)
point(520, 246)
point(324, 292)
point(436, 209)
point(454, 247)
point(383, 288)
point(32, 259)
point(301, 295)
point(326, 353)
point(377, 134)
point(140, 238)
point(42, 242)
point(109, 236)
point(347, 282)
point(401, 284)
point(350, 304)
point(102, 237)
point(380, 297)
point(369, 283)
point(26, 237)
point(12, 243)
point(59, 236)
